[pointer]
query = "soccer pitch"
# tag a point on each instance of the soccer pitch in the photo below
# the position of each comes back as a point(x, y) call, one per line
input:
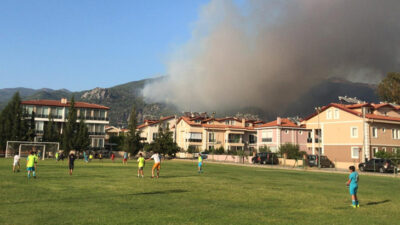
point(110, 193)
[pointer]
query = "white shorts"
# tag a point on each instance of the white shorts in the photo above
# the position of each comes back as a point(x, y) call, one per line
point(16, 163)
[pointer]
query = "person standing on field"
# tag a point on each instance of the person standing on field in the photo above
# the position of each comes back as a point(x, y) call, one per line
point(30, 165)
point(200, 164)
point(353, 186)
point(57, 156)
point(16, 163)
point(157, 164)
point(71, 161)
point(112, 157)
point(125, 160)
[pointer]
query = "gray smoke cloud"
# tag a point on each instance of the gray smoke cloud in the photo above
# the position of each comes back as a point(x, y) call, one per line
point(266, 53)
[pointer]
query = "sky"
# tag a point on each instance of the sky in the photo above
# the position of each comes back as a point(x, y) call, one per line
point(83, 44)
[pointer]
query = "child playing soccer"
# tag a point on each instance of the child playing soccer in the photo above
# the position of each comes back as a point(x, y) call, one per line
point(125, 160)
point(16, 163)
point(30, 165)
point(200, 166)
point(353, 186)
point(140, 165)
point(71, 160)
point(157, 164)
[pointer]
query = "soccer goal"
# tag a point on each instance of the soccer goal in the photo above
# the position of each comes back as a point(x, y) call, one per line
point(44, 149)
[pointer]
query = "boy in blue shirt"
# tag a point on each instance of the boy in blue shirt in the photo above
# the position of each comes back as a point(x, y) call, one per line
point(353, 186)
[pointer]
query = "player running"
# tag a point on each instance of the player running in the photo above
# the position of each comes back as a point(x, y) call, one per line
point(140, 166)
point(353, 186)
point(200, 165)
point(16, 163)
point(157, 164)
point(30, 165)
point(71, 160)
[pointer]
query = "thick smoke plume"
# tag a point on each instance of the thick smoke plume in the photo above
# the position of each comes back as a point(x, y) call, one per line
point(266, 53)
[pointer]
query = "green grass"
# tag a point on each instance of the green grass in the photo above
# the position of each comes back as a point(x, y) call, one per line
point(110, 193)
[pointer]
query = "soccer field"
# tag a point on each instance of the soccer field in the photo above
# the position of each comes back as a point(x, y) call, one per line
point(110, 193)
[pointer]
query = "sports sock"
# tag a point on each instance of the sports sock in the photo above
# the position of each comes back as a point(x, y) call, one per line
point(354, 202)
point(29, 175)
point(34, 173)
point(357, 202)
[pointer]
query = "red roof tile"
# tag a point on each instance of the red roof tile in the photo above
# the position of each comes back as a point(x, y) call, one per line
point(59, 104)
point(285, 122)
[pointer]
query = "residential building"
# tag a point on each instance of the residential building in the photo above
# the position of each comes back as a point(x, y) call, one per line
point(281, 131)
point(204, 133)
point(150, 128)
point(95, 116)
point(353, 133)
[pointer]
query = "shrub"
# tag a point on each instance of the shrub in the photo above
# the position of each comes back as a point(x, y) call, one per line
point(292, 151)
point(192, 149)
point(264, 149)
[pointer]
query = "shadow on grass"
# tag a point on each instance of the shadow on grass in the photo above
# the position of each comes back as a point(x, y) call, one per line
point(377, 203)
point(97, 197)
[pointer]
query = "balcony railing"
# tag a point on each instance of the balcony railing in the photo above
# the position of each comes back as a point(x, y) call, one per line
point(266, 140)
point(211, 140)
point(234, 141)
point(193, 140)
point(95, 118)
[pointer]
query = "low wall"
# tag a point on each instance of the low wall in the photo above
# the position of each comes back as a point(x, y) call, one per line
point(290, 162)
point(219, 158)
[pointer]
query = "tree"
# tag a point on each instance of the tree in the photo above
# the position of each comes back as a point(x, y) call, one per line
point(50, 131)
point(264, 149)
point(70, 129)
point(292, 151)
point(389, 88)
point(31, 133)
point(82, 140)
point(12, 124)
point(132, 141)
point(164, 143)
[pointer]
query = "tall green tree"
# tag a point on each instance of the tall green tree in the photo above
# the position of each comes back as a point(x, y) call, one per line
point(164, 142)
point(50, 131)
point(30, 125)
point(12, 124)
point(70, 128)
point(132, 141)
point(389, 88)
point(82, 140)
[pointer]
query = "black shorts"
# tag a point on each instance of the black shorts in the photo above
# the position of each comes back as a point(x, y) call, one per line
point(71, 166)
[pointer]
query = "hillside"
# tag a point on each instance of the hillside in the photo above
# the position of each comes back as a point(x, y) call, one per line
point(122, 97)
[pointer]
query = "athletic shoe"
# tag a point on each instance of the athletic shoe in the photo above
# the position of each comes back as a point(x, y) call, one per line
point(358, 206)
point(354, 206)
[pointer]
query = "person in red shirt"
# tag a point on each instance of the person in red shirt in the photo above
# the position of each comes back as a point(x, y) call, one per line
point(112, 157)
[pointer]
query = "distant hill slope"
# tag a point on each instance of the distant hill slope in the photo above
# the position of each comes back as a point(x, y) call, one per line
point(122, 97)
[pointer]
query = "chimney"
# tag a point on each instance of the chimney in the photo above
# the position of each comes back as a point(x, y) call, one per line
point(243, 122)
point(63, 100)
point(279, 121)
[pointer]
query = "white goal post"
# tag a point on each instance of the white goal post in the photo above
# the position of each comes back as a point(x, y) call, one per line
point(13, 146)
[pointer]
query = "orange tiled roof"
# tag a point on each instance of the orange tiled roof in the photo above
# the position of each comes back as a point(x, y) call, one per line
point(152, 122)
point(285, 122)
point(59, 104)
point(226, 127)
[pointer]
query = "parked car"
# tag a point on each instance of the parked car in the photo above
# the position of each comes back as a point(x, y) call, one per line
point(265, 158)
point(312, 160)
point(377, 165)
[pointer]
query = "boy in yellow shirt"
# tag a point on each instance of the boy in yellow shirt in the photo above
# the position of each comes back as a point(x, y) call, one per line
point(30, 165)
point(140, 165)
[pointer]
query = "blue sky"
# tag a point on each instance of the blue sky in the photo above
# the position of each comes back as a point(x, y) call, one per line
point(82, 44)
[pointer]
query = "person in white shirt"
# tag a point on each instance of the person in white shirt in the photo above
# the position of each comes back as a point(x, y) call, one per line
point(157, 164)
point(16, 164)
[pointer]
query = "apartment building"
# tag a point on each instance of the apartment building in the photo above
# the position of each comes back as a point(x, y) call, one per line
point(205, 133)
point(95, 116)
point(353, 133)
point(150, 128)
point(281, 131)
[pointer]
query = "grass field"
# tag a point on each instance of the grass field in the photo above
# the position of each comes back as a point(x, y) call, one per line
point(110, 193)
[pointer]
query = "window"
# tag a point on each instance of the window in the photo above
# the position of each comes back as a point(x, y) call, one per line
point(384, 149)
point(383, 130)
point(374, 151)
point(396, 133)
point(155, 136)
point(252, 139)
point(39, 126)
point(266, 136)
point(301, 132)
point(211, 137)
point(329, 114)
point(336, 114)
point(374, 132)
point(194, 137)
point(354, 132)
point(355, 151)
point(286, 131)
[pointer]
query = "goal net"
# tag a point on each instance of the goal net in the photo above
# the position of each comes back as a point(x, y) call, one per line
point(43, 149)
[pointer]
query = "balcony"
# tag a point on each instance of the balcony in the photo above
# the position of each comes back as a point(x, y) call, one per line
point(266, 140)
point(233, 141)
point(211, 140)
point(97, 133)
point(194, 140)
point(95, 118)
